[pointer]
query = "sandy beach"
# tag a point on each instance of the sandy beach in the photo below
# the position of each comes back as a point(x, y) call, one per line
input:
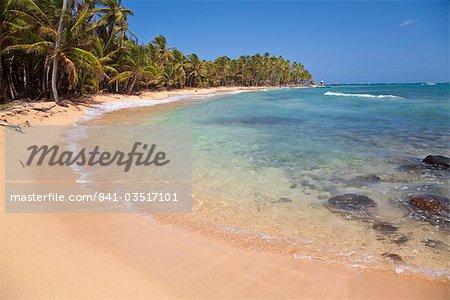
point(135, 256)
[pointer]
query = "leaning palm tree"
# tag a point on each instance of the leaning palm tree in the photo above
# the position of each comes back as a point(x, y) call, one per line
point(57, 52)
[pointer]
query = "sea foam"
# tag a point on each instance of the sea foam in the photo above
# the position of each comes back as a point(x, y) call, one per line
point(360, 95)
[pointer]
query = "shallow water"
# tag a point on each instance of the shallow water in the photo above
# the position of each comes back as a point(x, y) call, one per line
point(265, 163)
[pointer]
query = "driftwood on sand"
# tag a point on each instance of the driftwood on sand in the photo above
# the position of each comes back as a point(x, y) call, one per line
point(14, 127)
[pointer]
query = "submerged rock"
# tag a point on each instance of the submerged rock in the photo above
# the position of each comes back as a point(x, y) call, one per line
point(351, 205)
point(438, 161)
point(283, 200)
point(400, 240)
point(418, 166)
point(384, 227)
point(435, 244)
point(434, 189)
point(392, 257)
point(430, 203)
point(428, 207)
point(364, 180)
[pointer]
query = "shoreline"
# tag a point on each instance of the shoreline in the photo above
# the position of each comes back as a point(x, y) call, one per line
point(48, 113)
point(94, 255)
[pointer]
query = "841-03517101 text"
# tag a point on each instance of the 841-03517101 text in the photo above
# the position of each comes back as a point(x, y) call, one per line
point(97, 196)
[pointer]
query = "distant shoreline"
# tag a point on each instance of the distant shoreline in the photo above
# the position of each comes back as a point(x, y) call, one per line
point(26, 113)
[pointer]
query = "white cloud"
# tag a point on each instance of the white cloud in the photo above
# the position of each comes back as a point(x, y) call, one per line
point(406, 23)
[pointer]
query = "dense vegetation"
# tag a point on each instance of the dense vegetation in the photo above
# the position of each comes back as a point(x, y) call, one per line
point(65, 48)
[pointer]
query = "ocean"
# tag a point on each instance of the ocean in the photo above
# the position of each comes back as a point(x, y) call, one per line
point(266, 162)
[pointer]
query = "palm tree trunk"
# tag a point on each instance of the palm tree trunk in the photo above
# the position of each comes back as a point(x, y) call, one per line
point(132, 85)
point(45, 76)
point(109, 40)
point(12, 89)
point(57, 47)
point(2, 90)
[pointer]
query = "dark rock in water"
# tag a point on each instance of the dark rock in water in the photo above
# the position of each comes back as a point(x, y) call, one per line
point(437, 160)
point(351, 202)
point(384, 227)
point(400, 240)
point(351, 205)
point(363, 180)
point(392, 257)
point(430, 203)
point(435, 189)
point(411, 165)
point(418, 166)
point(293, 186)
point(283, 200)
point(370, 178)
point(436, 244)
point(428, 207)
point(305, 183)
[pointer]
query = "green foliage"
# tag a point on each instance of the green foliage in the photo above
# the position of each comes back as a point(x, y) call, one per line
point(98, 52)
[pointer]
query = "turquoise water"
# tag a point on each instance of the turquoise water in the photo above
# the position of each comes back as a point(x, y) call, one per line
point(320, 138)
point(266, 162)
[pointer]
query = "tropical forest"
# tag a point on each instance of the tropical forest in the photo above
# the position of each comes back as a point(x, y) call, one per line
point(56, 49)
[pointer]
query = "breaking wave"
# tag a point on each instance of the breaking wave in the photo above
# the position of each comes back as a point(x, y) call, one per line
point(360, 95)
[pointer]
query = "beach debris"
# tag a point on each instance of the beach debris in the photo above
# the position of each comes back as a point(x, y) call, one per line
point(395, 258)
point(12, 126)
point(43, 109)
point(351, 205)
point(437, 161)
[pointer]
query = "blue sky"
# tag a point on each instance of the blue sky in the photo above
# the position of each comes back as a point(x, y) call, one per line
point(338, 41)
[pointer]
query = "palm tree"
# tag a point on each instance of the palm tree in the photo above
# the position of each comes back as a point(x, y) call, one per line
point(83, 46)
point(56, 50)
point(2, 18)
point(163, 55)
point(49, 50)
point(139, 69)
point(223, 67)
point(196, 70)
point(113, 21)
